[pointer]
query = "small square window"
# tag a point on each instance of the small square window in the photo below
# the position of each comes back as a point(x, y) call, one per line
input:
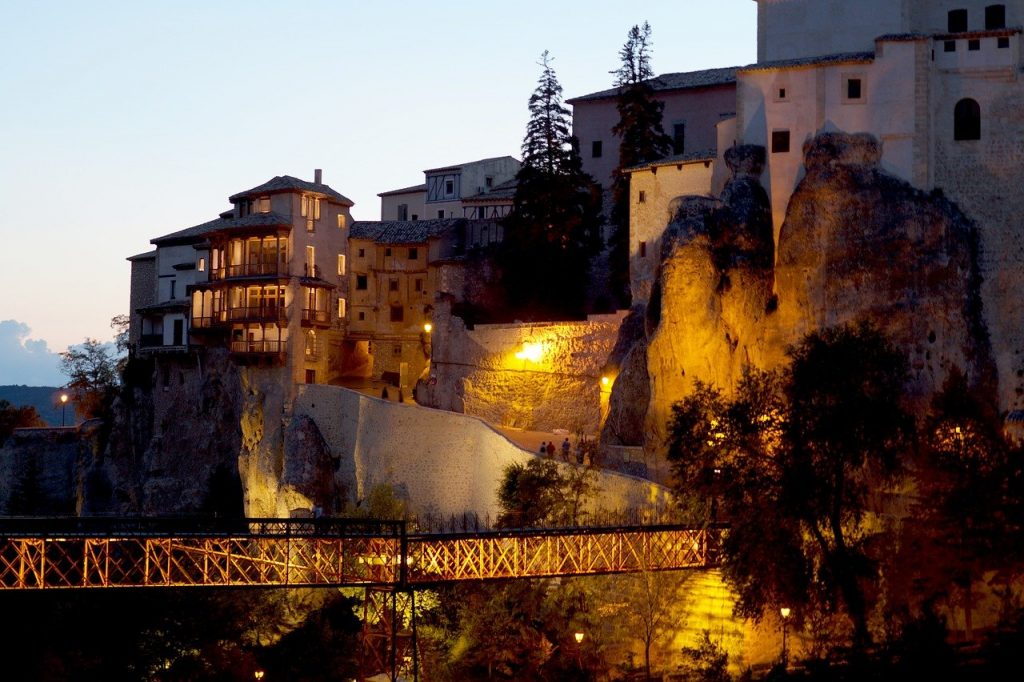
point(387, 252)
point(449, 188)
point(949, 46)
point(341, 264)
point(201, 265)
point(341, 221)
point(642, 198)
point(973, 44)
point(1002, 43)
point(596, 149)
point(393, 285)
point(361, 282)
point(780, 141)
point(643, 249)
point(782, 93)
point(362, 253)
point(853, 88)
point(419, 284)
point(341, 307)
point(414, 253)
point(397, 313)
point(264, 205)
point(362, 316)
point(440, 214)
point(396, 349)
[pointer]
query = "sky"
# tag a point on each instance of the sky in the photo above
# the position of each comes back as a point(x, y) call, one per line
point(124, 121)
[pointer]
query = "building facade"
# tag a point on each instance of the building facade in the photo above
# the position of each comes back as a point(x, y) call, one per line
point(392, 287)
point(446, 190)
point(266, 279)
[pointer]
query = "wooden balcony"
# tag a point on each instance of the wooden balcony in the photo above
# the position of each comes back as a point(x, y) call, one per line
point(264, 313)
point(316, 318)
point(258, 347)
point(249, 270)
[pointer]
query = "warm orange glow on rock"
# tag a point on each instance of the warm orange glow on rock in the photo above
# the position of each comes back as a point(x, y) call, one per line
point(531, 351)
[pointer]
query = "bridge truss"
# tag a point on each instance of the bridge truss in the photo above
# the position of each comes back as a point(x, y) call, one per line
point(380, 556)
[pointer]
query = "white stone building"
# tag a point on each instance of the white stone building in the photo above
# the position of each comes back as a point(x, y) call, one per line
point(938, 82)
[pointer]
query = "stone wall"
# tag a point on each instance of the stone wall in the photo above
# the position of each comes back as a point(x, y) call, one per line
point(476, 371)
point(444, 463)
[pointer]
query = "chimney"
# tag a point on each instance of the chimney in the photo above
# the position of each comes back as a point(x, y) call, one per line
point(318, 176)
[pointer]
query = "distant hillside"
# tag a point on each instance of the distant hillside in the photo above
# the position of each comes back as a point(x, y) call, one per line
point(46, 400)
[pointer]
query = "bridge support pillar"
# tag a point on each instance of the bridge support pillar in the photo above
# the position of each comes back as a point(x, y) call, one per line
point(389, 633)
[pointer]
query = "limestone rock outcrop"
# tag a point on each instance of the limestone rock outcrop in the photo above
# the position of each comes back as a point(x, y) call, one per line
point(857, 244)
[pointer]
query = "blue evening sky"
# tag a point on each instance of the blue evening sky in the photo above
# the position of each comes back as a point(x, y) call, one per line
point(122, 121)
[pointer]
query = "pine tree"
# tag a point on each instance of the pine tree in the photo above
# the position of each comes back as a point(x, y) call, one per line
point(552, 233)
point(642, 139)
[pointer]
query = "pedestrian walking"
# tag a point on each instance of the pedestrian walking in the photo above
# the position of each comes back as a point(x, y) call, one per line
point(543, 448)
point(565, 449)
point(551, 449)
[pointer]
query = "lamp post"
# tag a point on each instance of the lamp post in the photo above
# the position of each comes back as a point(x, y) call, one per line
point(784, 612)
point(578, 636)
point(258, 674)
point(63, 404)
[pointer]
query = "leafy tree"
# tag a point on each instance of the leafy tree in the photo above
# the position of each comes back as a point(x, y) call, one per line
point(798, 455)
point(642, 139)
point(540, 494)
point(965, 503)
point(93, 377)
point(552, 232)
point(709, 660)
point(12, 417)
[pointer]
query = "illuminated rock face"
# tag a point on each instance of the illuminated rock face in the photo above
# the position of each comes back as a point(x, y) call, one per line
point(857, 245)
point(492, 372)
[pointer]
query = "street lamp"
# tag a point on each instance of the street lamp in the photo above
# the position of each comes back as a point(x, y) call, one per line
point(784, 612)
point(63, 404)
point(258, 674)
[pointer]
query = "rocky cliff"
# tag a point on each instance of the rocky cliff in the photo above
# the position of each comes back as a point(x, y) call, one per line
point(857, 244)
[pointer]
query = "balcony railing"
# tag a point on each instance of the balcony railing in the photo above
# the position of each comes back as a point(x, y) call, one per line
point(249, 270)
point(311, 271)
point(316, 316)
point(203, 322)
point(273, 313)
point(258, 347)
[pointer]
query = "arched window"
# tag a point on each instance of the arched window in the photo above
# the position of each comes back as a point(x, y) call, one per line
point(967, 120)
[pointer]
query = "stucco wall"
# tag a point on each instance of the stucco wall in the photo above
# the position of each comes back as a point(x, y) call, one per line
point(447, 463)
point(791, 29)
point(477, 372)
point(647, 220)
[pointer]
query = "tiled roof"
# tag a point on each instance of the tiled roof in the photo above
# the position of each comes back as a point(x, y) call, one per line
point(401, 231)
point(149, 255)
point(673, 81)
point(825, 60)
point(199, 232)
point(404, 190)
point(190, 233)
point(503, 191)
point(457, 166)
point(692, 157)
point(286, 183)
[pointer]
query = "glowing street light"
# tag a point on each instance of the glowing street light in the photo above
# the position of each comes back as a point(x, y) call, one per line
point(579, 637)
point(784, 612)
point(531, 351)
point(605, 381)
point(427, 327)
point(258, 674)
point(63, 404)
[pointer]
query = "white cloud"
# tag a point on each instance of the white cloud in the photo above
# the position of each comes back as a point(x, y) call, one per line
point(24, 360)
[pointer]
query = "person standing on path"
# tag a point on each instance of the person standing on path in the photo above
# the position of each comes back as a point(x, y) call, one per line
point(551, 449)
point(565, 449)
point(543, 448)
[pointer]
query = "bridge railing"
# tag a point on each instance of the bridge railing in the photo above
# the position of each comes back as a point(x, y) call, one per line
point(61, 553)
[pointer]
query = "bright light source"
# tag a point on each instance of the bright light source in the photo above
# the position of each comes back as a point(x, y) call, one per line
point(427, 327)
point(605, 381)
point(784, 611)
point(531, 351)
point(63, 397)
point(579, 637)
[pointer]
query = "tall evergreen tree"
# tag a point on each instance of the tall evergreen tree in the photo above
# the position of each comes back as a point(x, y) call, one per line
point(552, 233)
point(642, 139)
